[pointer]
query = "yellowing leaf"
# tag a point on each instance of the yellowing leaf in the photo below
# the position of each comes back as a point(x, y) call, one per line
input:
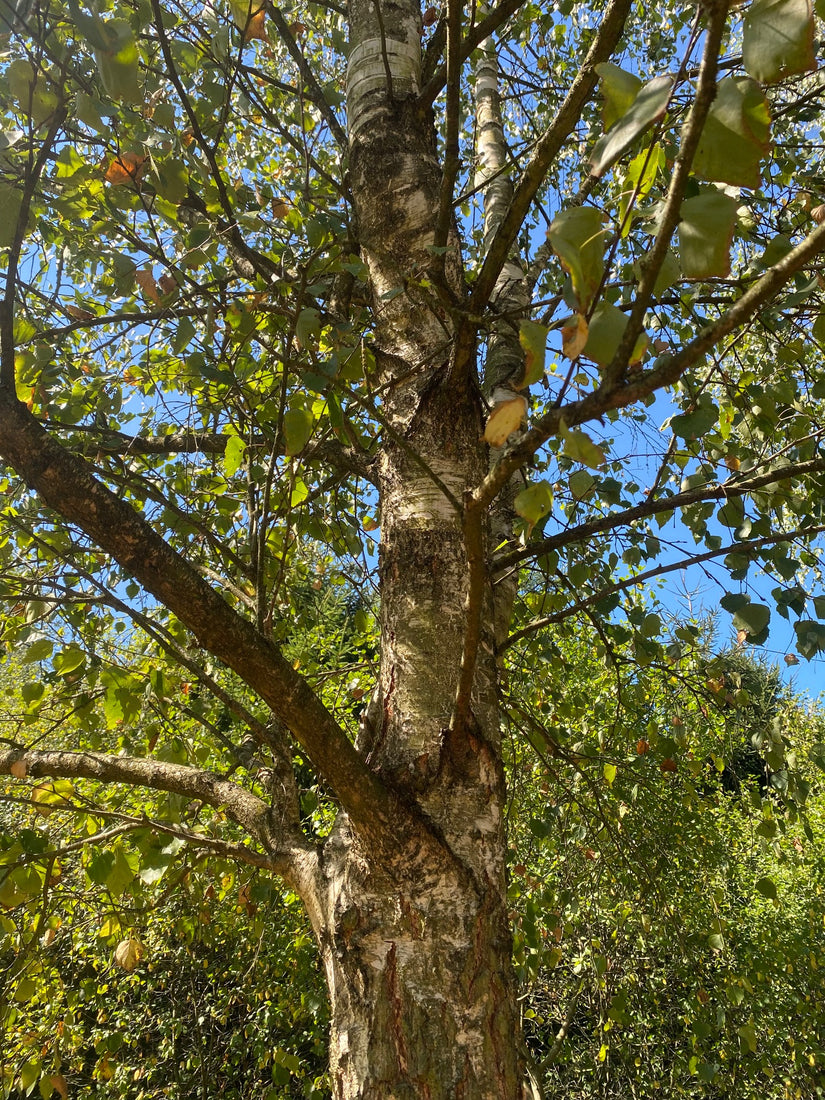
point(77, 313)
point(128, 954)
point(506, 418)
point(534, 502)
point(574, 336)
point(533, 339)
point(250, 17)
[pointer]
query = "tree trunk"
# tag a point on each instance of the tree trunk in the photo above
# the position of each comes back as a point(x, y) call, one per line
point(415, 938)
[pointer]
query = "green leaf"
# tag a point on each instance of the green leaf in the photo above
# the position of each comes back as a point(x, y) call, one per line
point(233, 455)
point(40, 650)
point(308, 327)
point(669, 273)
point(298, 424)
point(705, 234)
point(767, 888)
point(778, 39)
point(172, 180)
point(732, 513)
point(736, 135)
point(11, 199)
point(581, 448)
point(648, 106)
point(752, 617)
point(117, 60)
point(69, 660)
point(581, 484)
point(534, 502)
point(604, 333)
point(810, 638)
point(577, 237)
point(697, 421)
point(747, 1033)
point(27, 86)
point(533, 339)
point(619, 89)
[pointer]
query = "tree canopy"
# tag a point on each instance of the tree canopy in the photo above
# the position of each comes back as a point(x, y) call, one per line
point(347, 353)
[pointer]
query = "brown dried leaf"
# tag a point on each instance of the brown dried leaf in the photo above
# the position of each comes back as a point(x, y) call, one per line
point(818, 214)
point(19, 769)
point(77, 313)
point(256, 27)
point(127, 168)
point(146, 281)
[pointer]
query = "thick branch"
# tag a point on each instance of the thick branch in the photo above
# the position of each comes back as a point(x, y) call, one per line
point(65, 483)
point(247, 809)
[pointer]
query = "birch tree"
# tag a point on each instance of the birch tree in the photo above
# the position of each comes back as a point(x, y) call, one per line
point(280, 288)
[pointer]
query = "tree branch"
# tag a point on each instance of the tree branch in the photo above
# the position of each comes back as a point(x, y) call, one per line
point(691, 135)
point(727, 490)
point(245, 808)
point(65, 483)
point(658, 571)
point(670, 369)
point(548, 147)
point(308, 79)
point(474, 37)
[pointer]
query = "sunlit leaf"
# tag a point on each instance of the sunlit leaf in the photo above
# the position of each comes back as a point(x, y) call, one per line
point(506, 418)
point(233, 455)
point(705, 234)
point(736, 135)
point(577, 236)
point(298, 424)
point(574, 336)
point(128, 954)
point(533, 340)
point(534, 502)
point(647, 107)
point(117, 60)
point(778, 39)
point(619, 89)
point(581, 448)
